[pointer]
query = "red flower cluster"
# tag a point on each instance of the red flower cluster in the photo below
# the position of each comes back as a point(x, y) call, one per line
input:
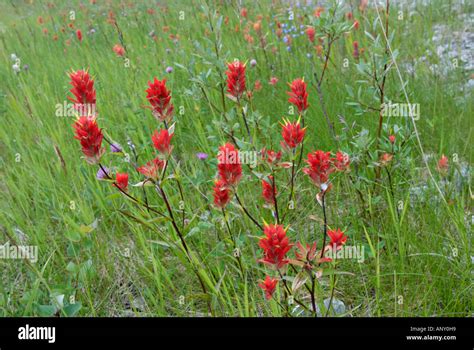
point(229, 171)
point(160, 99)
point(342, 161)
point(308, 256)
point(119, 50)
point(151, 168)
point(236, 79)
point(79, 35)
point(443, 165)
point(268, 286)
point(221, 194)
point(121, 181)
point(270, 156)
point(82, 89)
point(298, 95)
point(161, 140)
point(267, 190)
point(310, 32)
point(355, 52)
point(321, 165)
point(338, 239)
point(292, 133)
point(229, 167)
point(356, 24)
point(88, 133)
point(275, 245)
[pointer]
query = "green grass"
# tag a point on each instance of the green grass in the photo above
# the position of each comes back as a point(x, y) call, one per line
point(421, 263)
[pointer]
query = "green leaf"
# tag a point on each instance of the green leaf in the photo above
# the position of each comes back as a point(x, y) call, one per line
point(72, 309)
point(72, 267)
point(73, 236)
point(46, 310)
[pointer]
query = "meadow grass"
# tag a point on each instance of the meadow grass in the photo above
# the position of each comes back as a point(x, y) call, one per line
point(106, 257)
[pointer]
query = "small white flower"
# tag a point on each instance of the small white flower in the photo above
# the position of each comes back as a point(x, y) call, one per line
point(13, 57)
point(16, 68)
point(324, 187)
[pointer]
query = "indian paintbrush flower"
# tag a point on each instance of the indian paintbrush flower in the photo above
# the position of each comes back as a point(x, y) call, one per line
point(310, 32)
point(121, 181)
point(151, 169)
point(160, 99)
point(90, 136)
point(319, 167)
point(355, 52)
point(270, 156)
point(119, 50)
point(341, 162)
point(221, 194)
point(229, 166)
point(161, 140)
point(308, 256)
point(338, 239)
point(443, 165)
point(298, 95)
point(292, 133)
point(385, 159)
point(235, 79)
point(275, 246)
point(268, 190)
point(83, 91)
point(268, 285)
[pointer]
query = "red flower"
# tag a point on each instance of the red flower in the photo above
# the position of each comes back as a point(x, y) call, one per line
point(79, 35)
point(267, 190)
point(268, 286)
point(307, 253)
point(298, 95)
point(443, 165)
point(271, 157)
point(119, 50)
point(385, 158)
point(307, 256)
point(273, 81)
point(160, 99)
point(318, 11)
point(83, 91)
point(342, 161)
point(150, 169)
point(392, 139)
point(161, 140)
point(88, 133)
point(355, 53)
point(121, 181)
point(319, 167)
point(356, 24)
point(338, 239)
point(228, 166)
point(235, 79)
point(275, 245)
point(221, 194)
point(258, 85)
point(292, 133)
point(310, 32)
point(243, 12)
